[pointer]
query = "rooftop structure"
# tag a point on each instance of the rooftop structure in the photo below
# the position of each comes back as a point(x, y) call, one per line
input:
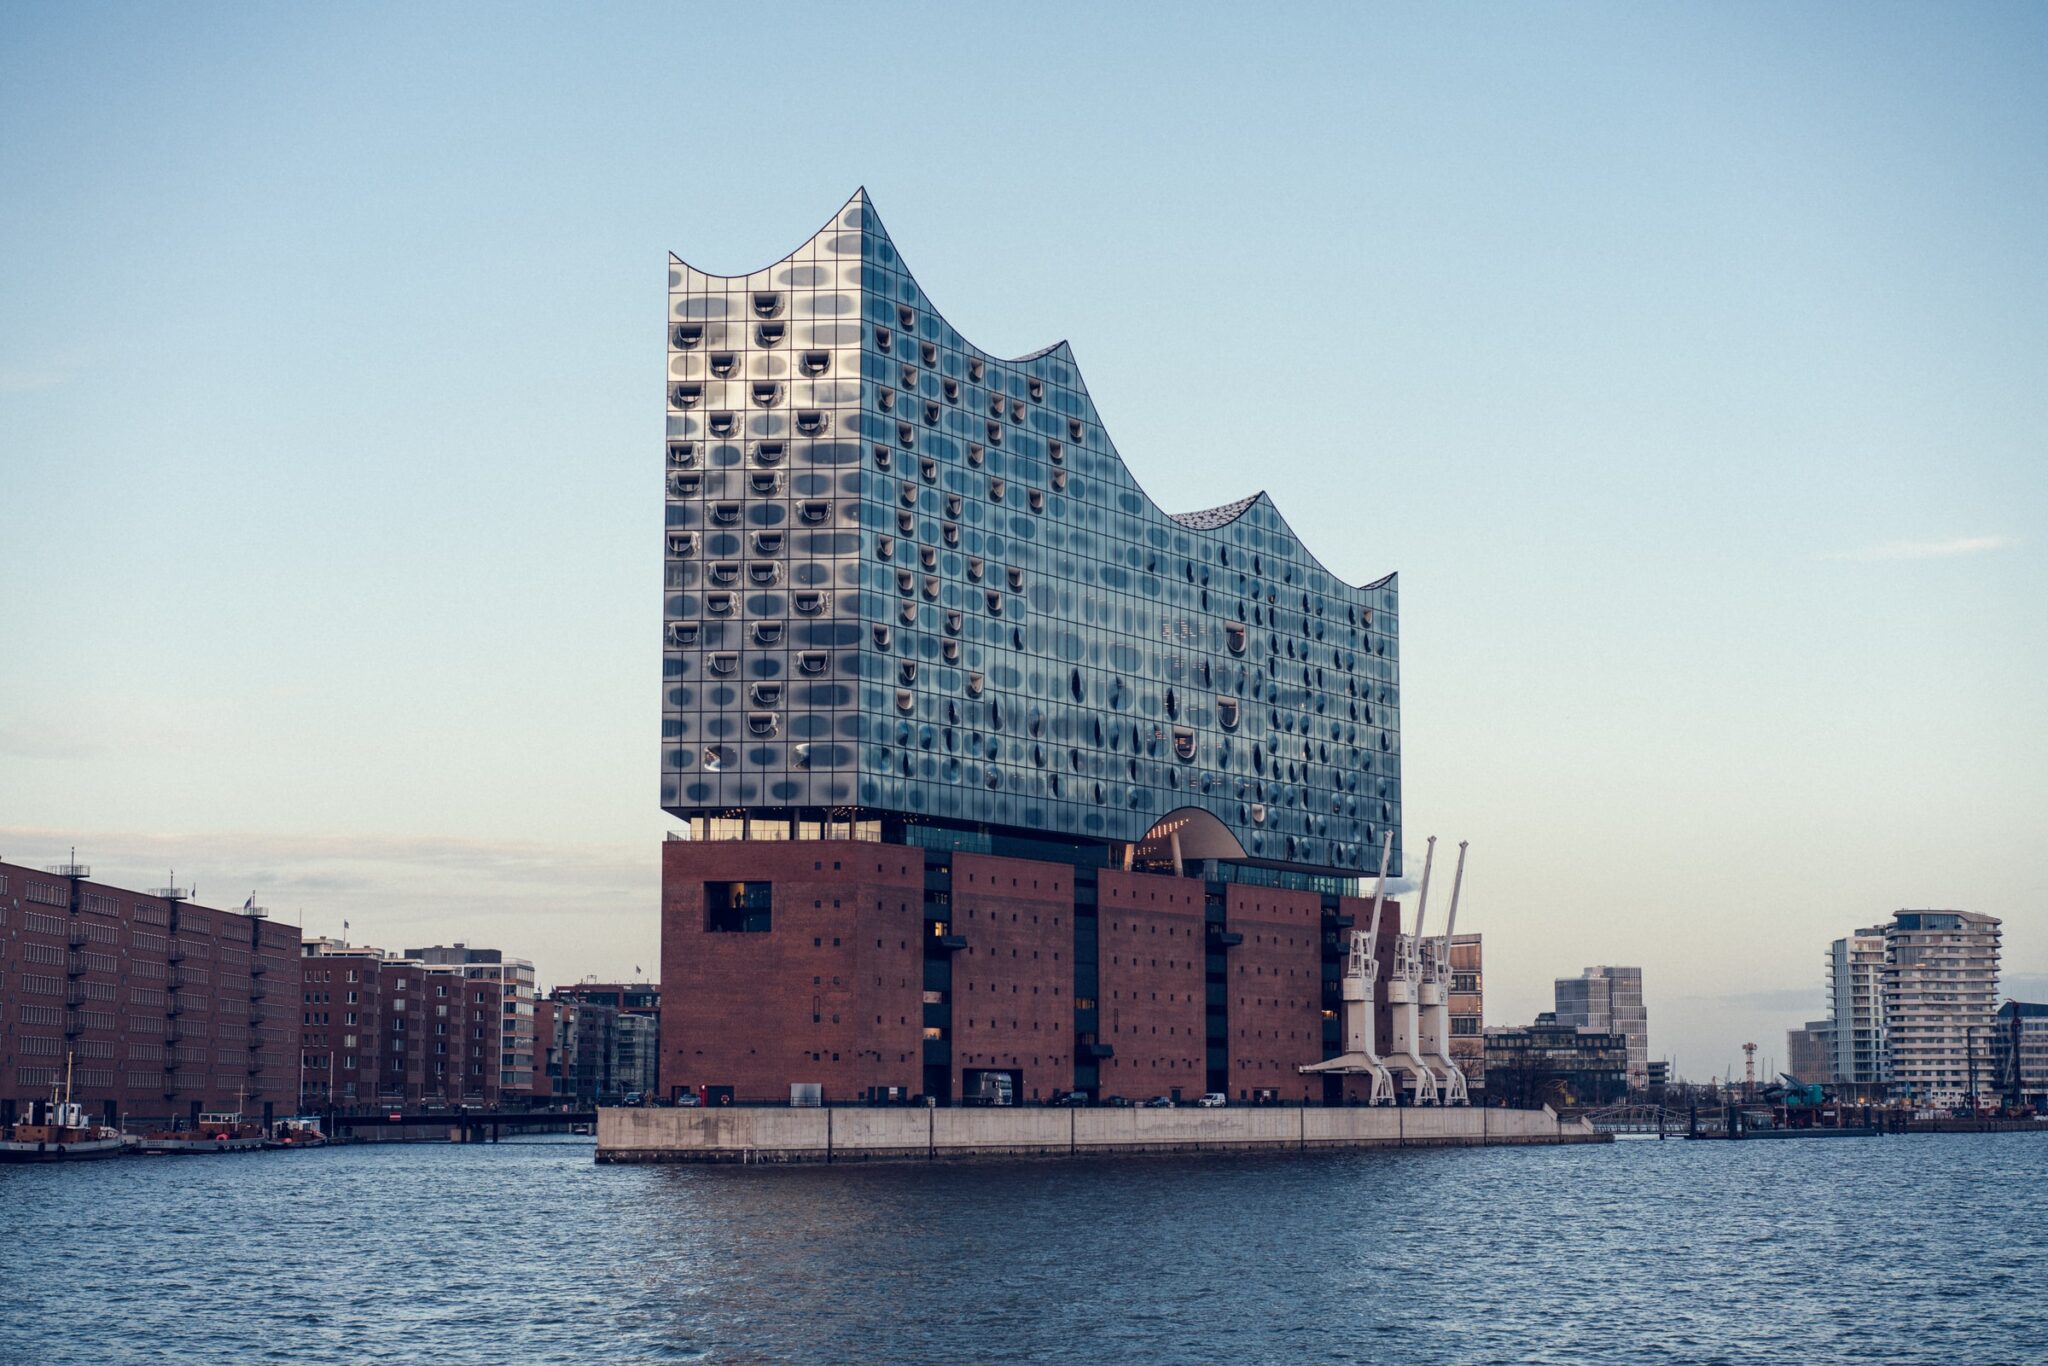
point(912, 590)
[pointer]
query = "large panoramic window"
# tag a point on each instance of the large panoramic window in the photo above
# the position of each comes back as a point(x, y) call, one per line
point(737, 907)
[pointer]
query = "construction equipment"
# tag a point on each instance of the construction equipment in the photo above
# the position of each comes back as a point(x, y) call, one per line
point(1436, 998)
point(1361, 971)
point(1404, 993)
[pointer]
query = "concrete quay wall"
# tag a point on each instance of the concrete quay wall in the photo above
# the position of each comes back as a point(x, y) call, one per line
point(751, 1135)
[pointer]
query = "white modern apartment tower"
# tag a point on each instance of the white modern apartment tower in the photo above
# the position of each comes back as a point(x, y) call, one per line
point(1609, 1000)
point(1940, 992)
point(1856, 1006)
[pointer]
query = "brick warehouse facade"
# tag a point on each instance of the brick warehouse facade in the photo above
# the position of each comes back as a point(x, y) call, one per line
point(879, 971)
point(381, 1030)
point(164, 1008)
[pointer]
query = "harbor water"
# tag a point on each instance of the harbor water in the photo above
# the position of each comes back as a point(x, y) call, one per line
point(1923, 1248)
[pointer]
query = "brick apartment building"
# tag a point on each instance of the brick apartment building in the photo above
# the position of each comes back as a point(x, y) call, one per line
point(384, 1030)
point(162, 1008)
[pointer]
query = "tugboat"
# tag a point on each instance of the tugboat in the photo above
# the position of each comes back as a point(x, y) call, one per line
point(217, 1132)
point(65, 1135)
point(297, 1132)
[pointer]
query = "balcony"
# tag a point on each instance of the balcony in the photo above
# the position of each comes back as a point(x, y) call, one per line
point(74, 964)
point(1097, 1051)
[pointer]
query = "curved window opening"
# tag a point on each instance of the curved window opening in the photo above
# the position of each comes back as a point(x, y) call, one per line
point(764, 573)
point(887, 399)
point(682, 454)
point(767, 543)
point(976, 454)
point(881, 634)
point(931, 412)
point(815, 363)
point(1234, 633)
point(1184, 744)
point(975, 369)
point(906, 700)
point(906, 522)
point(767, 304)
point(768, 452)
point(906, 494)
point(908, 614)
point(767, 633)
point(813, 661)
point(685, 395)
point(682, 544)
point(974, 568)
point(766, 694)
point(723, 424)
point(995, 433)
point(682, 634)
point(881, 338)
point(975, 683)
point(725, 514)
point(931, 587)
point(995, 603)
point(765, 482)
point(907, 316)
point(928, 353)
point(685, 485)
point(769, 334)
point(724, 573)
point(906, 435)
point(687, 336)
point(949, 650)
point(810, 423)
point(883, 458)
point(1059, 481)
point(928, 556)
point(996, 488)
point(1226, 712)
point(762, 723)
point(951, 389)
point(1016, 577)
point(800, 756)
point(1037, 390)
point(722, 364)
point(953, 625)
point(905, 582)
point(949, 533)
point(885, 547)
point(719, 604)
point(907, 671)
point(1016, 410)
point(808, 603)
point(910, 377)
point(1036, 499)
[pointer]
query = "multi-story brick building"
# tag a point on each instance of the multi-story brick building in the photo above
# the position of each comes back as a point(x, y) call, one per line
point(1468, 1009)
point(1000, 781)
point(383, 1030)
point(161, 1008)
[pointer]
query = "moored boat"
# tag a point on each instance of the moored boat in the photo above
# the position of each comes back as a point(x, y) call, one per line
point(63, 1134)
point(223, 1132)
point(297, 1132)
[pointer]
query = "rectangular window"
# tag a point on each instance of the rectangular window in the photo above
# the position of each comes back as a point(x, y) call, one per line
point(738, 907)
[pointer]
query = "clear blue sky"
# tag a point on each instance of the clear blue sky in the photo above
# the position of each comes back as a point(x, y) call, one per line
point(1689, 363)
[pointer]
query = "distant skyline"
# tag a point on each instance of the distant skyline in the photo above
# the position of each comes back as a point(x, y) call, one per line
point(1689, 365)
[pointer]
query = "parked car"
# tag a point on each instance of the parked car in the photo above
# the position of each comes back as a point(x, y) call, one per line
point(688, 1099)
point(1073, 1098)
point(1120, 1102)
point(1159, 1103)
point(1214, 1100)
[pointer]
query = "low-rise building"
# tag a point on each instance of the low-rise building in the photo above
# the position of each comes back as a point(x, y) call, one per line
point(1556, 1064)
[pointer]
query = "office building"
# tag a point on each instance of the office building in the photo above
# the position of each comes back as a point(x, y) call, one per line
point(1610, 999)
point(998, 779)
point(1856, 1007)
point(1810, 1052)
point(159, 1008)
point(2019, 1054)
point(1940, 991)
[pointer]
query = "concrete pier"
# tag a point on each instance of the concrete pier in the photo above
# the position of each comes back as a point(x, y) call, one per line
point(750, 1135)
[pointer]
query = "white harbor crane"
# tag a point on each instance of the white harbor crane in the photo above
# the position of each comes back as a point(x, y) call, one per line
point(1361, 970)
point(1404, 990)
point(1436, 1000)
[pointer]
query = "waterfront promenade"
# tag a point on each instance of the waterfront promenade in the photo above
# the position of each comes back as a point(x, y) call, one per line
point(823, 1134)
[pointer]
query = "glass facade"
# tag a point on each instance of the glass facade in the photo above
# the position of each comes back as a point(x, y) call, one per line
point(904, 577)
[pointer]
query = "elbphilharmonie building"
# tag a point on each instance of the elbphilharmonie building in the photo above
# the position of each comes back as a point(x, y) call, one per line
point(923, 634)
point(913, 583)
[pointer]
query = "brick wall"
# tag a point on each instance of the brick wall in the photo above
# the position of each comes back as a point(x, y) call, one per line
point(1151, 966)
point(1013, 1004)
